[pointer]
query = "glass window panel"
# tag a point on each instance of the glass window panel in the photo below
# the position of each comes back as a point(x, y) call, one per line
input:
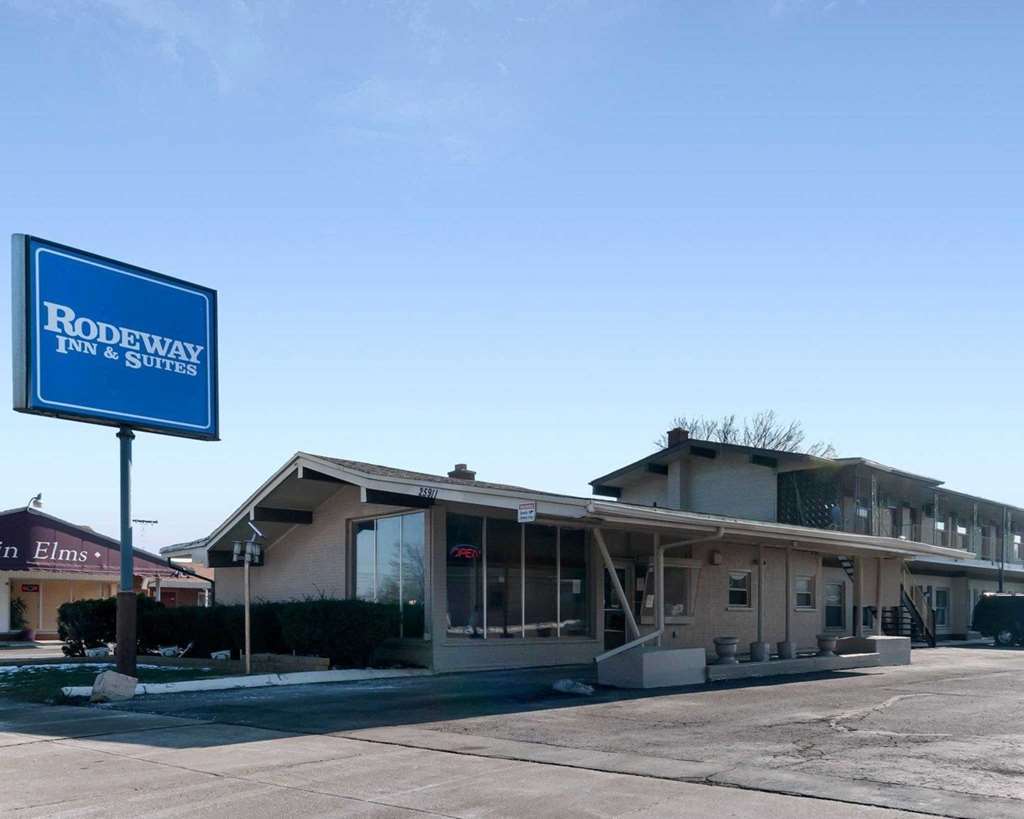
point(365, 569)
point(413, 586)
point(677, 591)
point(574, 592)
point(504, 579)
point(465, 575)
point(941, 607)
point(389, 559)
point(739, 589)
point(835, 610)
point(804, 588)
point(541, 578)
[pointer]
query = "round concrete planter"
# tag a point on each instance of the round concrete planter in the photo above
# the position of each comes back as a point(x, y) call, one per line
point(826, 645)
point(760, 652)
point(725, 647)
point(787, 650)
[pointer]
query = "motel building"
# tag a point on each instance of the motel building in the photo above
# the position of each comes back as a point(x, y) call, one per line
point(46, 561)
point(676, 566)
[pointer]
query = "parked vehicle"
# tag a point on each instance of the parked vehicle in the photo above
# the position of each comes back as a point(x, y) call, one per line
point(1000, 615)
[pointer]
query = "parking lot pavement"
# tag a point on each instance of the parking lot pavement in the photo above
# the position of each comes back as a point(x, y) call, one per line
point(943, 736)
point(137, 764)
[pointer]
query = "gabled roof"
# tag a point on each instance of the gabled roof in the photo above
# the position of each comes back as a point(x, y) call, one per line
point(187, 546)
point(86, 532)
point(892, 470)
point(408, 475)
point(669, 453)
point(67, 524)
point(396, 486)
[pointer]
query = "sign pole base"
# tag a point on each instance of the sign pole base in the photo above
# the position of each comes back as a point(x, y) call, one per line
point(126, 633)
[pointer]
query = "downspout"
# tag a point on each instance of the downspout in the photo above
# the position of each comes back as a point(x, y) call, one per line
point(659, 581)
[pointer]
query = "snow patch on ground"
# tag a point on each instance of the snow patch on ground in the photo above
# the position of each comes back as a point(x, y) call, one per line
point(15, 669)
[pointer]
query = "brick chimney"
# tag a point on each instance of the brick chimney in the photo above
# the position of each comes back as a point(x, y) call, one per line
point(463, 473)
point(677, 435)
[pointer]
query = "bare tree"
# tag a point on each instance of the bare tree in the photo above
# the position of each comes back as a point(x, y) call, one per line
point(763, 430)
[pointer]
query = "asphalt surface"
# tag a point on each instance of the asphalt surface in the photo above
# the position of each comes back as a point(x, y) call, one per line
point(944, 736)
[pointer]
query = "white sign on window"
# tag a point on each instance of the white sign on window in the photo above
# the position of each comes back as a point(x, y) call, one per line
point(527, 512)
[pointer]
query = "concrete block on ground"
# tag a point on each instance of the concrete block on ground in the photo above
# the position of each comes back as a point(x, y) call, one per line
point(891, 650)
point(645, 667)
point(286, 663)
point(110, 686)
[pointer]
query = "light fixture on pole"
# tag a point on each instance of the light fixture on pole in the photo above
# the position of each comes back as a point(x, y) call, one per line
point(248, 552)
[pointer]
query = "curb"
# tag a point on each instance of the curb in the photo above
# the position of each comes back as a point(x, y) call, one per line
point(260, 681)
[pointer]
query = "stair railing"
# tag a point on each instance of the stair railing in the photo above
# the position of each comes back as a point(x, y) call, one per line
point(917, 603)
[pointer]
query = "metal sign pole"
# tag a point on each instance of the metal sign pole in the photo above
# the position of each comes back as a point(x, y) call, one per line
point(126, 604)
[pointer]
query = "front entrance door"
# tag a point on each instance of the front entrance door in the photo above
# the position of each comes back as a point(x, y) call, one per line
point(613, 616)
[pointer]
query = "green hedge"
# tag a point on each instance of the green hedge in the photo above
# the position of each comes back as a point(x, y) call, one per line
point(91, 623)
point(346, 631)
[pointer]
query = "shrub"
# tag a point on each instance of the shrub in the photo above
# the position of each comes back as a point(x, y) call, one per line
point(346, 631)
point(90, 623)
point(19, 614)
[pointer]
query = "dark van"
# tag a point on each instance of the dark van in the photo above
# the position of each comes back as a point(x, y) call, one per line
point(1000, 616)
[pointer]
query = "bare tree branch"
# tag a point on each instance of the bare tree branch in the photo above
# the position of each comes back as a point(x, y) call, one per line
point(763, 430)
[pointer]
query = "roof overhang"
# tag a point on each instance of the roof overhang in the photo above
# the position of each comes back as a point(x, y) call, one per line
point(823, 540)
point(306, 481)
point(289, 497)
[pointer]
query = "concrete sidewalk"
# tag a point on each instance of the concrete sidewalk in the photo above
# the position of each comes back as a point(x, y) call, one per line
point(104, 762)
point(941, 736)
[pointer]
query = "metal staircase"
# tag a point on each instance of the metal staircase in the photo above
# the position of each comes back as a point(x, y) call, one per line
point(913, 618)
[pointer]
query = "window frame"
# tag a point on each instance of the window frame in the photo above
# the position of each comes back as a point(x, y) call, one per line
point(352, 564)
point(693, 567)
point(811, 592)
point(948, 594)
point(748, 576)
point(588, 585)
point(841, 585)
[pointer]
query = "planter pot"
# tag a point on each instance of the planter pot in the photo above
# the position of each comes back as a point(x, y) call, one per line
point(760, 652)
point(787, 650)
point(725, 648)
point(827, 645)
point(29, 635)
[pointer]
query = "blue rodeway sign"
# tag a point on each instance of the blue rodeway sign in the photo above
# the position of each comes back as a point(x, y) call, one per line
point(106, 342)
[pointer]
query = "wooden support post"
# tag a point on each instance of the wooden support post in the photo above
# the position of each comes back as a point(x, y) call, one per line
point(878, 597)
point(659, 586)
point(760, 593)
point(858, 596)
point(788, 596)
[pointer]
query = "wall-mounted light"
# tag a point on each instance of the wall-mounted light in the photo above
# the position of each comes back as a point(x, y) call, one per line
point(35, 502)
point(716, 558)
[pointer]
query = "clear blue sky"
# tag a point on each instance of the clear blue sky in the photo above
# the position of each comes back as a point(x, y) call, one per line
point(528, 234)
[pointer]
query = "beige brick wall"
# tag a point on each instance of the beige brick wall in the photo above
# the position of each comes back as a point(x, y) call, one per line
point(715, 618)
point(726, 485)
point(309, 560)
point(731, 485)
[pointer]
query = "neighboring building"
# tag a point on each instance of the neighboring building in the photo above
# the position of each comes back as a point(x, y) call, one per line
point(478, 589)
point(854, 495)
point(46, 561)
point(195, 587)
